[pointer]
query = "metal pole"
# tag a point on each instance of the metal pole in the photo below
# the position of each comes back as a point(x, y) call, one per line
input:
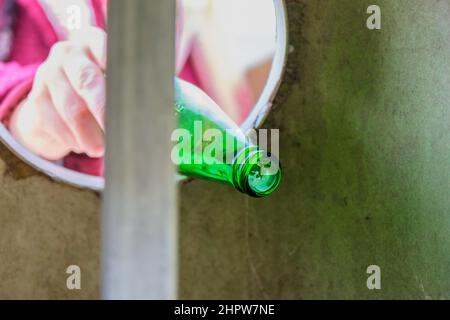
point(139, 256)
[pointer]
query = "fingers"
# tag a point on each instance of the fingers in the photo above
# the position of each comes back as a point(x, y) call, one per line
point(98, 47)
point(68, 97)
point(26, 126)
point(59, 130)
point(78, 118)
point(95, 41)
point(89, 83)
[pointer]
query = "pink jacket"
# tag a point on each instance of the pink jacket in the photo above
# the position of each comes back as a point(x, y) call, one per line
point(34, 35)
point(33, 38)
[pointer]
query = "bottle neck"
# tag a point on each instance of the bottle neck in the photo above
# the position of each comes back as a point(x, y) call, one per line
point(255, 172)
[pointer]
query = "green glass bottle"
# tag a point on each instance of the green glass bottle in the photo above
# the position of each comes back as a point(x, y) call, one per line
point(209, 145)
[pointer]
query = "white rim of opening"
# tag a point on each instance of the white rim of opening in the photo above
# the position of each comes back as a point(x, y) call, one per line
point(254, 120)
point(265, 101)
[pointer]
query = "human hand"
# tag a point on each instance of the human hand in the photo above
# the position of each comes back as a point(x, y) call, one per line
point(64, 111)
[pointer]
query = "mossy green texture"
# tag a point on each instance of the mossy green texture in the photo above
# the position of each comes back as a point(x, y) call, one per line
point(365, 131)
point(365, 146)
point(45, 227)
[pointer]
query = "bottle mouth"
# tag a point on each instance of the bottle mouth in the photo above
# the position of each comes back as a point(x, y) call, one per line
point(257, 173)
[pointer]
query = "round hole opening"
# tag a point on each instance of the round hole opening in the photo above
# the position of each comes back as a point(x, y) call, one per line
point(249, 38)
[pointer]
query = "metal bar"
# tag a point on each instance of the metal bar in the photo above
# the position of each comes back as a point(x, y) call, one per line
point(139, 258)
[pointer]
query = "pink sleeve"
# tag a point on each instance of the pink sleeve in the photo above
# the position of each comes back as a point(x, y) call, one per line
point(15, 83)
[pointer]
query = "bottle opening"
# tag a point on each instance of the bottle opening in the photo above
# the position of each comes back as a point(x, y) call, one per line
point(258, 174)
point(262, 184)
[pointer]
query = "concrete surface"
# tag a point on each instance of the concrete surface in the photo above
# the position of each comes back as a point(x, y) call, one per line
point(364, 118)
point(365, 131)
point(44, 228)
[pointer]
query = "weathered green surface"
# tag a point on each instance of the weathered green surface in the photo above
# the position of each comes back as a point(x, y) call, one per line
point(365, 127)
point(365, 131)
point(44, 228)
